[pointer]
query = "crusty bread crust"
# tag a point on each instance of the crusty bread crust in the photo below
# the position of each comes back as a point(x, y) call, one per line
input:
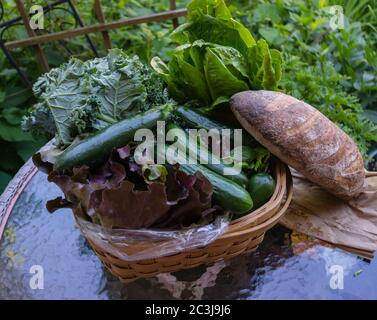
point(303, 138)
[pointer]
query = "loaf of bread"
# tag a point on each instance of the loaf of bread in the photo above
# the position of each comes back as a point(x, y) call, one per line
point(303, 138)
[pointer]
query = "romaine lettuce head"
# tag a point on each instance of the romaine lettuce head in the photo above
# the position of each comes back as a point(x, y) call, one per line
point(211, 21)
point(217, 58)
point(210, 73)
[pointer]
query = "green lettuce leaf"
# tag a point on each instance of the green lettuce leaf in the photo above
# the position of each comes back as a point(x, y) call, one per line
point(210, 29)
point(204, 72)
point(221, 81)
point(183, 76)
point(168, 76)
point(233, 60)
point(277, 64)
point(194, 80)
point(211, 21)
point(215, 8)
point(266, 67)
point(217, 58)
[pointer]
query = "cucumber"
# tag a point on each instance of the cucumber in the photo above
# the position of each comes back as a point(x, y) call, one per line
point(261, 187)
point(233, 174)
point(95, 149)
point(197, 119)
point(226, 193)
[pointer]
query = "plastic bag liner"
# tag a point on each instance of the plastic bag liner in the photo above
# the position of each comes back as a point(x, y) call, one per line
point(142, 244)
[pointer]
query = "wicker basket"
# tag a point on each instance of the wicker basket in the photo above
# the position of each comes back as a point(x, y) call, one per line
point(242, 235)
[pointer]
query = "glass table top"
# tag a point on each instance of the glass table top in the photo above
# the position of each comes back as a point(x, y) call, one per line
point(286, 265)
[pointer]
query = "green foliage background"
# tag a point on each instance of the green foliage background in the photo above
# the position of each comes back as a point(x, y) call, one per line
point(335, 71)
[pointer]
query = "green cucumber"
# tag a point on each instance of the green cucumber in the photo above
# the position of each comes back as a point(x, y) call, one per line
point(226, 193)
point(261, 187)
point(95, 149)
point(233, 174)
point(197, 119)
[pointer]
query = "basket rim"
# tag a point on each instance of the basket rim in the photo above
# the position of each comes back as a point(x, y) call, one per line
point(254, 227)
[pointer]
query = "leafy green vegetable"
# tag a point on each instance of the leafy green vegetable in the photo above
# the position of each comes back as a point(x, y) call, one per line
point(211, 21)
point(39, 122)
point(122, 194)
point(220, 80)
point(216, 30)
point(218, 57)
point(265, 65)
point(80, 97)
point(253, 159)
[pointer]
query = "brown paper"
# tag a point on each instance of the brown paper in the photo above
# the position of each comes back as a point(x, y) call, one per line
point(350, 225)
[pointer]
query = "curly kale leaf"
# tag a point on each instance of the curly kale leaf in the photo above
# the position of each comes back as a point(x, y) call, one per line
point(85, 117)
point(39, 122)
point(86, 96)
point(157, 94)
